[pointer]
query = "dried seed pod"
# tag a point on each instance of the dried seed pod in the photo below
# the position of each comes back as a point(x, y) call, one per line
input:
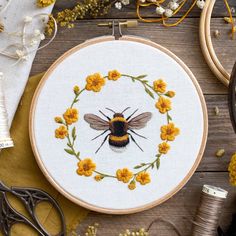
point(1, 27)
point(228, 20)
point(220, 152)
point(216, 33)
point(217, 111)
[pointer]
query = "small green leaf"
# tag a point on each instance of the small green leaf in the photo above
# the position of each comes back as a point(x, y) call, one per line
point(152, 165)
point(74, 133)
point(169, 117)
point(133, 79)
point(137, 167)
point(149, 93)
point(141, 76)
point(158, 163)
point(69, 151)
point(76, 100)
point(69, 145)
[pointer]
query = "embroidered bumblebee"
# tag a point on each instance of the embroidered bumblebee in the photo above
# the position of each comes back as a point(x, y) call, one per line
point(120, 128)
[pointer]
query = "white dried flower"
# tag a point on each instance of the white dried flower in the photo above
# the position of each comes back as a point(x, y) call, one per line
point(33, 42)
point(42, 36)
point(173, 5)
point(160, 10)
point(168, 12)
point(200, 4)
point(37, 32)
point(118, 5)
point(28, 19)
point(21, 55)
point(125, 2)
point(142, 1)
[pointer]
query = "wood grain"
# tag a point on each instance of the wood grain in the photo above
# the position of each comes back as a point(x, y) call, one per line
point(183, 41)
point(129, 11)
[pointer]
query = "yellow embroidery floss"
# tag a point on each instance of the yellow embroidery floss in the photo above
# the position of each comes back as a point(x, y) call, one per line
point(5, 139)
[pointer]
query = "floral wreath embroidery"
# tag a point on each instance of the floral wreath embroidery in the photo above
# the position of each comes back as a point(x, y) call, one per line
point(168, 132)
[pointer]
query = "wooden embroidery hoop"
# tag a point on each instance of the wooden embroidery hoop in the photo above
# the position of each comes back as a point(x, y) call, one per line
point(79, 201)
point(207, 46)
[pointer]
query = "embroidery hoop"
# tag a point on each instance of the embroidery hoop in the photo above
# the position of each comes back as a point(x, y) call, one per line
point(32, 131)
point(207, 47)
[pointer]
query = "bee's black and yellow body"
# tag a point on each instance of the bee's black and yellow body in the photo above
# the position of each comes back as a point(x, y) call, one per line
point(118, 126)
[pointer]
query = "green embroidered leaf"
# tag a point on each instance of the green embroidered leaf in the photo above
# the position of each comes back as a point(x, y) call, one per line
point(149, 93)
point(169, 117)
point(68, 144)
point(69, 151)
point(158, 163)
point(76, 100)
point(74, 133)
point(152, 165)
point(141, 76)
point(137, 167)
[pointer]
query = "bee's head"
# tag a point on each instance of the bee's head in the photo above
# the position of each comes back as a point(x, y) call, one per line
point(118, 115)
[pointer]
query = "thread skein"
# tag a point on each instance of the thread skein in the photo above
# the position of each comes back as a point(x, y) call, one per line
point(208, 213)
point(5, 139)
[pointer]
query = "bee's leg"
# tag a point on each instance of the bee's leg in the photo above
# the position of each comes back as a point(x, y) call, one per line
point(105, 115)
point(131, 115)
point(137, 134)
point(102, 143)
point(101, 134)
point(135, 141)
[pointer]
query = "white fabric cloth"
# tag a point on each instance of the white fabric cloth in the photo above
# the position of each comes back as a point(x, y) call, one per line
point(16, 76)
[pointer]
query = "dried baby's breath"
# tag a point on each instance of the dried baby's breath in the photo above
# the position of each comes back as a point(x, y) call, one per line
point(216, 33)
point(220, 152)
point(67, 17)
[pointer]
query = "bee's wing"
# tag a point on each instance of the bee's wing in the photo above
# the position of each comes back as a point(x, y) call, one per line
point(140, 121)
point(96, 122)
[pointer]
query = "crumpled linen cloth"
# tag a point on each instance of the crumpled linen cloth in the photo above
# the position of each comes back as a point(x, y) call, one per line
point(16, 77)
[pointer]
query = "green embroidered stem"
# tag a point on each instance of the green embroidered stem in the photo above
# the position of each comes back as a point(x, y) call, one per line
point(76, 98)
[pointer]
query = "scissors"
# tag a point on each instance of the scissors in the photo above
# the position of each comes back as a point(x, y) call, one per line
point(30, 197)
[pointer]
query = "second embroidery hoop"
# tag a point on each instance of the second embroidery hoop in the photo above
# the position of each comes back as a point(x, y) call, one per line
point(121, 203)
point(206, 44)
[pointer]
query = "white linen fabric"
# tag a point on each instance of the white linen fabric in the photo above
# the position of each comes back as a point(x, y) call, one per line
point(16, 76)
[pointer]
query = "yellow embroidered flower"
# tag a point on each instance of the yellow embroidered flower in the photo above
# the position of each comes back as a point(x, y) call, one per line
point(124, 175)
point(163, 147)
point(163, 105)
point(94, 82)
point(71, 115)
point(159, 86)
point(58, 119)
point(44, 3)
point(86, 167)
point(114, 75)
point(170, 94)
point(143, 178)
point(232, 170)
point(98, 177)
point(76, 90)
point(61, 132)
point(169, 132)
point(132, 185)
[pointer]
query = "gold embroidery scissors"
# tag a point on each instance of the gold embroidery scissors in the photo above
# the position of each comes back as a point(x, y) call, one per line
point(30, 197)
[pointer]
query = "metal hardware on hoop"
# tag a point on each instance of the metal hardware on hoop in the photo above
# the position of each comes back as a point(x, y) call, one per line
point(119, 24)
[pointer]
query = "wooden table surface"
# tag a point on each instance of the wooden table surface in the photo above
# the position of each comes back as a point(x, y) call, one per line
point(182, 40)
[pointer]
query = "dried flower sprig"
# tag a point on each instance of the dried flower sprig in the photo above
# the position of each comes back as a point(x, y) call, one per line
point(92, 8)
point(45, 3)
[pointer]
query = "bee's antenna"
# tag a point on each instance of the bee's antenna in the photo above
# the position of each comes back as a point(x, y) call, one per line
point(109, 109)
point(125, 110)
